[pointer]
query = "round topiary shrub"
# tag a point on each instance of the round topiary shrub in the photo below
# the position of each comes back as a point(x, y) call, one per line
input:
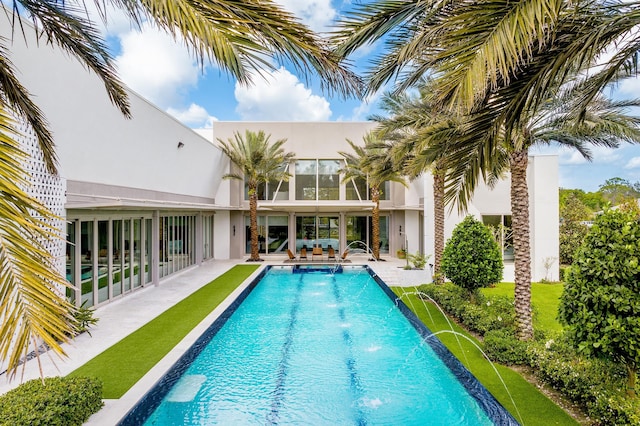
point(472, 258)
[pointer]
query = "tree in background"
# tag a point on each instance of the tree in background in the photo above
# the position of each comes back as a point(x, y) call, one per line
point(572, 229)
point(600, 304)
point(472, 258)
point(618, 191)
point(260, 162)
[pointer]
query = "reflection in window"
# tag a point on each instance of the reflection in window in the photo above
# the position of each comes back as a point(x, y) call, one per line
point(273, 234)
point(86, 265)
point(501, 228)
point(328, 180)
point(273, 190)
point(356, 189)
point(306, 179)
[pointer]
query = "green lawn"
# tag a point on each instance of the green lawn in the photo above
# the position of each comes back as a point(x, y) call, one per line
point(123, 364)
point(545, 297)
point(531, 406)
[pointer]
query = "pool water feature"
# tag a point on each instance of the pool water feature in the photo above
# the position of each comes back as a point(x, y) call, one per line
point(324, 346)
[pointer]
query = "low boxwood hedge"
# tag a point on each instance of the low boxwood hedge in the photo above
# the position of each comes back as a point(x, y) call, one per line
point(64, 401)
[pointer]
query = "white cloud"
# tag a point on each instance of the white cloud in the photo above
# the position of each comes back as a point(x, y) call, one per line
point(600, 155)
point(156, 66)
point(362, 111)
point(633, 163)
point(193, 116)
point(316, 14)
point(280, 96)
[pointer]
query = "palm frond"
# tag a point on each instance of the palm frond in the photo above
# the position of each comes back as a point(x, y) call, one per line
point(32, 306)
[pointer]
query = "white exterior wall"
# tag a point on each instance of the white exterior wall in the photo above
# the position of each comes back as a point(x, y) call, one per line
point(544, 214)
point(95, 143)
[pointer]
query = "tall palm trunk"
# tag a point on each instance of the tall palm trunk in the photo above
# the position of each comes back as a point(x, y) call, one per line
point(520, 220)
point(438, 217)
point(253, 222)
point(375, 222)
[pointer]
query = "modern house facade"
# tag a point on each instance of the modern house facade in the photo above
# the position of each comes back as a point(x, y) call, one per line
point(144, 198)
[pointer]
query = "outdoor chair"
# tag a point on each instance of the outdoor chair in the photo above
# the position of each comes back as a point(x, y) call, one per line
point(317, 251)
point(291, 255)
point(331, 253)
point(303, 253)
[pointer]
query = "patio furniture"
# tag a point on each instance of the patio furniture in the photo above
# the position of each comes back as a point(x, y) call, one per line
point(317, 251)
point(291, 255)
point(303, 253)
point(331, 253)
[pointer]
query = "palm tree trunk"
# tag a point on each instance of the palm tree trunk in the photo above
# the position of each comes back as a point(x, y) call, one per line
point(375, 222)
point(253, 222)
point(438, 217)
point(520, 220)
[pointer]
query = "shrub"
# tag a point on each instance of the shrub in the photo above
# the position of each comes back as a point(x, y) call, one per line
point(419, 260)
point(472, 258)
point(504, 347)
point(600, 304)
point(64, 401)
point(480, 315)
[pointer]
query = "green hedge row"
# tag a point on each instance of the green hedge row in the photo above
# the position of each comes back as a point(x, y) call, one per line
point(63, 401)
point(597, 386)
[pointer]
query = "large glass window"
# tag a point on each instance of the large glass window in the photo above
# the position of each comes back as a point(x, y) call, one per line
point(176, 249)
point(118, 258)
point(358, 189)
point(71, 259)
point(86, 263)
point(273, 190)
point(207, 237)
point(103, 260)
point(501, 228)
point(306, 179)
point(148, 231)
point(328, 180)
point(273, 234)
point(359, 230)
point(314, 231)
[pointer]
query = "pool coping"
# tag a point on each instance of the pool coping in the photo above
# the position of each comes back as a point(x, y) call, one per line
point(132, 405)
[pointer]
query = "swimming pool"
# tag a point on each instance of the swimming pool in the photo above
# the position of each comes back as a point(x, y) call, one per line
point(309, 346)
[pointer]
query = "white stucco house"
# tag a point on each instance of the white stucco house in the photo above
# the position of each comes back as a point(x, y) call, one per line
point(144, 198)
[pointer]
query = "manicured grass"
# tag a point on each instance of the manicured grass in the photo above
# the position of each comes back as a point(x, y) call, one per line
point(123, 364)
point(545, 298)
point(533, 407)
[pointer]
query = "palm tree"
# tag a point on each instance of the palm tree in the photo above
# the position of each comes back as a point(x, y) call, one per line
point(238, 36)
point(260, 162)
point(411, 123)
point(496, 63)
point(372, 163)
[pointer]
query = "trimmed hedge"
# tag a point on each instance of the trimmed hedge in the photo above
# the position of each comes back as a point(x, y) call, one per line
point(63, 401)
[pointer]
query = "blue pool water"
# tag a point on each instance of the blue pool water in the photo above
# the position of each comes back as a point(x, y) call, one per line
point(317, 348)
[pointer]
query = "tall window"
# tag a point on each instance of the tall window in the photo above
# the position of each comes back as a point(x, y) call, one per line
point(358, 189)
point(328, 180)
point(500, 226)
point(273, 190)
point(273, 234)
point(359, 229)
point(306, 179)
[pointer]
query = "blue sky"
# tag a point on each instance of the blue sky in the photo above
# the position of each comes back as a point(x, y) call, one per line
point(164, 72)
